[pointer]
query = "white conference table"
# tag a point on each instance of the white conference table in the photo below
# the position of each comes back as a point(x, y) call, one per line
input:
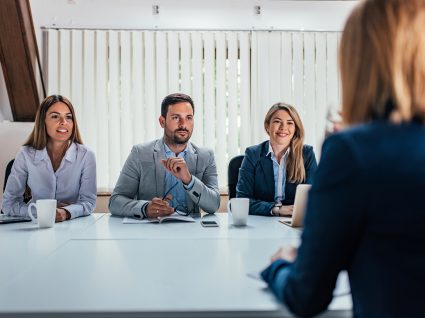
point(111, 269)
point(23, 244)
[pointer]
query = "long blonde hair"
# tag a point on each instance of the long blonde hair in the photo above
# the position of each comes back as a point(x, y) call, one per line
point(382, 61)
point(295, 163)
point(38, 137)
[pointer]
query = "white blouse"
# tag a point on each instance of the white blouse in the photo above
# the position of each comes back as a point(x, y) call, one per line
point(73, 183)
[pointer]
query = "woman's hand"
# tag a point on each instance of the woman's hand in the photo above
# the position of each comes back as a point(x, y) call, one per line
point(62, 215)
point(287, 253)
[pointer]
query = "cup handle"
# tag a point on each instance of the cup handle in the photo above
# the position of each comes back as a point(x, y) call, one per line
point(229, 210)
point(30, 212)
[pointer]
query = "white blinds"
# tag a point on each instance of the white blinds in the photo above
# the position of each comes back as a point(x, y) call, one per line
point(116, 80)
point(299, 68)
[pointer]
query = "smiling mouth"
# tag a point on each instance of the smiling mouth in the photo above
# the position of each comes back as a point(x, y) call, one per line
point(62, 131)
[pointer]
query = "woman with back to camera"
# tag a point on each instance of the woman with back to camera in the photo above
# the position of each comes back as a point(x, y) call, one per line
point(366, 210)
point(54, 164)
point(271, 171)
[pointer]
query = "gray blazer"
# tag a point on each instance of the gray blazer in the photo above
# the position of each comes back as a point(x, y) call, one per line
point(143, 175)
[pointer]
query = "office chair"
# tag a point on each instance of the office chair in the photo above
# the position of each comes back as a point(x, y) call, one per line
point(233, 174)
point(6, 176)
point(7, 173)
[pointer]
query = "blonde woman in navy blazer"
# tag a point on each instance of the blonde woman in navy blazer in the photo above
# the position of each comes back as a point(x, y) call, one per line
point(366, 211)
point(259, 172)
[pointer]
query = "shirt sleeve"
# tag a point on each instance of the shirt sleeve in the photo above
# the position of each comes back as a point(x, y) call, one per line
point(204, 193)
point(88, 189)
point(122, 201)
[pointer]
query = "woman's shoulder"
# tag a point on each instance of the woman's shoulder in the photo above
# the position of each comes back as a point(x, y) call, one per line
point(27, 152)
point(308, 150)
point(257, 149)
point(83, 150)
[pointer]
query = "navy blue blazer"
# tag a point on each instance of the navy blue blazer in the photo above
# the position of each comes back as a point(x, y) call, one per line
point(256, 178)
point(366, 215)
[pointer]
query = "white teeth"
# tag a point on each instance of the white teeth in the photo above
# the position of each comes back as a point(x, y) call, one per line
point(62, 130)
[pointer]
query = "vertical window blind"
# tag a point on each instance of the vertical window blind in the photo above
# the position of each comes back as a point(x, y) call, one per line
point(116, 81)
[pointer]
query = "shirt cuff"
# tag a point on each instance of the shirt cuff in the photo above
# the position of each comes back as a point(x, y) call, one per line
point(144, 215)
point(276, 276)
point(190, 185)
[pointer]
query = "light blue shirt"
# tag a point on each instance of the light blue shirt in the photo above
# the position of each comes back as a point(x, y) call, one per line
point(174, 186)
point(279, 171)
point(73, 183)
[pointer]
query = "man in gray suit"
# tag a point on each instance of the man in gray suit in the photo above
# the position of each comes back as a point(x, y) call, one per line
point(169, 174)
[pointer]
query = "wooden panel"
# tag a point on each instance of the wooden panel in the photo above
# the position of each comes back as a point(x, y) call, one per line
point(19, 58)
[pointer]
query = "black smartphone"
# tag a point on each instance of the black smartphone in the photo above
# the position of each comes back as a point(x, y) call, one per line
point(209, 223)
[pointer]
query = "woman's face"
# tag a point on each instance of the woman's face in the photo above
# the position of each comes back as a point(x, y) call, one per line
point(281, 129)
point(59, 122)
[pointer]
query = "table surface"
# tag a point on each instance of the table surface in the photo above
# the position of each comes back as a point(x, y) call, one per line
point(97, 265)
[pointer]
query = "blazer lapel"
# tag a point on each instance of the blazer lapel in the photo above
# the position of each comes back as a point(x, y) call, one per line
point(266, 166)
point(158, 154)
point(192, 162)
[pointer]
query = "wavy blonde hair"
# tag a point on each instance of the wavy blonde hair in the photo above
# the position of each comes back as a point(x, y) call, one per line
point(295, 163)
point(382, 62)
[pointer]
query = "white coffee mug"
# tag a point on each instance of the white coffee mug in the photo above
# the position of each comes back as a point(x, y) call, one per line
point(46, 212)
point(239, 208)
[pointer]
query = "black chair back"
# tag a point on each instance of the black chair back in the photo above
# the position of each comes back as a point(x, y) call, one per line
point(6, 176)
point(7, 173)
point(233, 174)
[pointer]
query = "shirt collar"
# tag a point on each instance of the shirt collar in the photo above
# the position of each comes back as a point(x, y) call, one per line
point(270, 152)
point(169, 153)
point(70, 155)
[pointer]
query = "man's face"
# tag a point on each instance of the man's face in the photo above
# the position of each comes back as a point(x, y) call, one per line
point(178, 123)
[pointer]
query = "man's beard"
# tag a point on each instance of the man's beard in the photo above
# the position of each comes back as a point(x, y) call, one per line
point(178, 140)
